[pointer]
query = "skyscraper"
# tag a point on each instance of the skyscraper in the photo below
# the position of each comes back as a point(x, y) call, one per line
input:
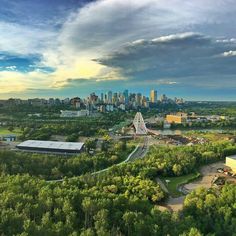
point(126, 96)
point(109, 96)
point(153, 96)
point(138, 98)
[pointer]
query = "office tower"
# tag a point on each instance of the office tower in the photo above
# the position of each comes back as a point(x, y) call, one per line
point(163, 98)
point(109, 97)
point(126, 96)
point(115, 98)
point(102, 97)
point(93, 98)
point(105, 98)
point(153, 96)
point(138, 98)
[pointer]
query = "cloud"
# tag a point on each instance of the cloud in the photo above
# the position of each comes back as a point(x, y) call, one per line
point(22, 63)
point(175, 56)
point(106, 24)
point(11, 67)
point(14, 81)
point(71, 82)
point(24, 40)
point(134, 43)
point(127, 38)
point(229, 53)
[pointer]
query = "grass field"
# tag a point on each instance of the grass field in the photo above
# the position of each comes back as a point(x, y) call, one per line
point(172, 186)
point(212, 135)
point(4, 131)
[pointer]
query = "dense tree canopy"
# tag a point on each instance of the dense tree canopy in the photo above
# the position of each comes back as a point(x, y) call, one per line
point(94, 206)
point(122, 201)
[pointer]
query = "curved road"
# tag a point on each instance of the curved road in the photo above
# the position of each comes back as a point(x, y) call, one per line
point(139, 152)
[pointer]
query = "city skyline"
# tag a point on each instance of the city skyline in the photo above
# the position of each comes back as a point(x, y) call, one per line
point(108, 96)
point(72, 48)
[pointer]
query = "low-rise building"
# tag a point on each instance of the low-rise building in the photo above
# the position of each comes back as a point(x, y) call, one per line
point(177, 118)
point(109, 107)
point(231, 162)
point(8, 138)
point(71, 114)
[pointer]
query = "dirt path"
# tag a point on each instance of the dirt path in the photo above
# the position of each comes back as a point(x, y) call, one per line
point(208, 172)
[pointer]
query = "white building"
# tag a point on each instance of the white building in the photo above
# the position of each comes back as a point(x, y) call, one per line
point(80, 113)
point(51, 146)
point(122, 107)
point(109, 107)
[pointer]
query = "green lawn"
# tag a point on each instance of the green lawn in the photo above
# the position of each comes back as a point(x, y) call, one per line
point(176, 181)
point(4, 131)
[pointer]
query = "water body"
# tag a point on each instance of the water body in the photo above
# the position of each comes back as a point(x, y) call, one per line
point(181, 132)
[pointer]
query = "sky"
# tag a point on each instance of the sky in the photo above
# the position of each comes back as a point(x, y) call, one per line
point(66, 48)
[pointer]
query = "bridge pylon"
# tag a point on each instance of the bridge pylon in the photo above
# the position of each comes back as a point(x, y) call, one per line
point(139, 124)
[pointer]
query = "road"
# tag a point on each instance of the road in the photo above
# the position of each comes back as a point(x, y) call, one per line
point(139, 152)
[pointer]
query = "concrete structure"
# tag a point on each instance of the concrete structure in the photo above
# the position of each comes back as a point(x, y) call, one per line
point(139, 125)
point(177, 118)
point(51, 146)
point(231, 162)
point(71, 114)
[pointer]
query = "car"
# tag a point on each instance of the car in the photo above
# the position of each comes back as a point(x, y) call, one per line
point(220, 170)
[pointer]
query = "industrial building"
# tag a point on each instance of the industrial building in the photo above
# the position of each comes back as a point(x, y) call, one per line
point(231, 162)
point(178, 118)
point(51, 146)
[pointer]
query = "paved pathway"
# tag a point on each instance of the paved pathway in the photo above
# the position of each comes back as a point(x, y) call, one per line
point(139, 152)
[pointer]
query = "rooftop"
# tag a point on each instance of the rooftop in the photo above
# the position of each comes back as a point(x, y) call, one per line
point(51, 145)
point(232, 157)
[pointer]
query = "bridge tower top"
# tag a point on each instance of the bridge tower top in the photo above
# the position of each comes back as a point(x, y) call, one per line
point(139, 125)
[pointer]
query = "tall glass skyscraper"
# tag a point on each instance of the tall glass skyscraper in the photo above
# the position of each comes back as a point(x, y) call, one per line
point(109, 97)
point(153, 96)
point(126, 96)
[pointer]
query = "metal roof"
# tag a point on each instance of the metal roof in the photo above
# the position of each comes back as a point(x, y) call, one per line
point(232, 157)
point(51, 145)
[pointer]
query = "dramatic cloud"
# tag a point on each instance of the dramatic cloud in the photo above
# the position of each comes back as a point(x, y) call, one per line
point(187, 55)
point(106, 24)
point(117, 44)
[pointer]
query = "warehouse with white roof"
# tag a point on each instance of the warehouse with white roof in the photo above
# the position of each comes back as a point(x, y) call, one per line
point(51, 146)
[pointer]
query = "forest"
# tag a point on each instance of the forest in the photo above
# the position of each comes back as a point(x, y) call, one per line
point(122, 201)
point(51, 166)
